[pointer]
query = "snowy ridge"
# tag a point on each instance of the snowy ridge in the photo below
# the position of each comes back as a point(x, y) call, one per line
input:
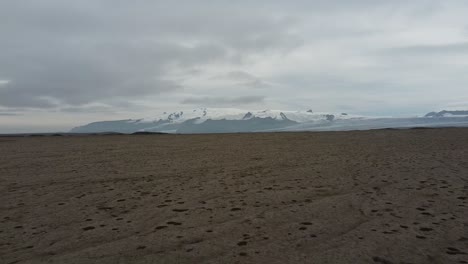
point(203, 114)
point(231, 120)
point(445, 113)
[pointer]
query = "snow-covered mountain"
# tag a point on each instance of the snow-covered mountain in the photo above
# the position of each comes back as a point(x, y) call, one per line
point(210, 120)
point(203, 114)
point(445, 113)
point(225, 120)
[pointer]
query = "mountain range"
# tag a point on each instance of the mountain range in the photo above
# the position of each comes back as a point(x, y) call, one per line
point(229, 120)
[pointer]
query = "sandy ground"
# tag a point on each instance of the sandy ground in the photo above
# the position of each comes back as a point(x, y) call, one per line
point(383, 196)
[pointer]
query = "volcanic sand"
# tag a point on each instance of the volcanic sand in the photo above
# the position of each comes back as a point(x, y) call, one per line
point(383, 196)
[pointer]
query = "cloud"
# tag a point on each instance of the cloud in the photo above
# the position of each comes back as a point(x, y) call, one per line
point(108, 59)
point(9, 114)
point(90, 51)
point(239, 76)
point(88, 109)
point(242, 78)
point(224, 101)
point(431, 49)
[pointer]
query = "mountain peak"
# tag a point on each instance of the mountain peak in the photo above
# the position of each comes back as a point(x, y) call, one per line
point(445, 113)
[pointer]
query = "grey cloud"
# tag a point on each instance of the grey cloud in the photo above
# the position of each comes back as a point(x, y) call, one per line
point(10, 111)
point(256, 84)
point(239, 75)
point(242, 78)
point(333, 84)
point(87, 109)
point(461, 47)
point(77, 75)
point(77, 53)
point(9, 114)
point(108, 106)
point(14, 98)
point(224, 101)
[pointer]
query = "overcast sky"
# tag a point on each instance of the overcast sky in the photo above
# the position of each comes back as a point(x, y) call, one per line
point(66, 63)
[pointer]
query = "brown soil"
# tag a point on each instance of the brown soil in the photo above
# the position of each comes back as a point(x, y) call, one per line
point(386, 196)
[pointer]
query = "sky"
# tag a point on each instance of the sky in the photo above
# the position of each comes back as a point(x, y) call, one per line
point(66, 63)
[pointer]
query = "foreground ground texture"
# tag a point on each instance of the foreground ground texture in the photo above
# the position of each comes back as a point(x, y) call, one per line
point(387, 196)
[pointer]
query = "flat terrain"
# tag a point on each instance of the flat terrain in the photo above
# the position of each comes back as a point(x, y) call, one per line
point(386, 196)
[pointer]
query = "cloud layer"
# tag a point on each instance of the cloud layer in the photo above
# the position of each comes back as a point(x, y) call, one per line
point(125, 58)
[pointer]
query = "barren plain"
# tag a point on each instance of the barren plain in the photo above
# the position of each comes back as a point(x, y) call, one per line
point(383, 196)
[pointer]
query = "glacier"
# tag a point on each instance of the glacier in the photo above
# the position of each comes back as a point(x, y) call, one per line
point(231, 120)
